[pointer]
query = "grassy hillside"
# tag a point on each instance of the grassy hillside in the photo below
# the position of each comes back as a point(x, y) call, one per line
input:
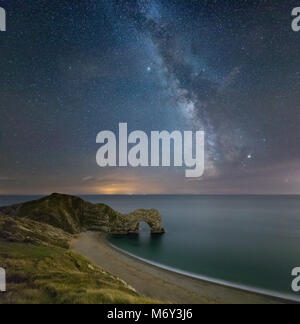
point(69, 213)
point(52, 275)
point(41, 269)
point(74, 215)
point(20, 230)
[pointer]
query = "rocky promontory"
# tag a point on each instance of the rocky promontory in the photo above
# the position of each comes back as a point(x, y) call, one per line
point(74, 215)
point(41, 266)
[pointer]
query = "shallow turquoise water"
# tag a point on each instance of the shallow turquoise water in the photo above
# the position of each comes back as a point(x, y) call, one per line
point(244, 240)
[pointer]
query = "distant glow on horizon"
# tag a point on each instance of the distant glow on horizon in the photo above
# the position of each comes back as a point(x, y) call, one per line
point(115, 190)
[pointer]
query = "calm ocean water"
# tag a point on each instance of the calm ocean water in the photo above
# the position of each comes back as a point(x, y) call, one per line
point(248, 241)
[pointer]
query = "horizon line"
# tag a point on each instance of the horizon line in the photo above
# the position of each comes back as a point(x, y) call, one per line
point(170, 194)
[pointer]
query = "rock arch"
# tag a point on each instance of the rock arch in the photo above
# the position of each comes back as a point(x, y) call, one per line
point(74, 215)
point(131, 224)
point(143, 224)
point(150, 217)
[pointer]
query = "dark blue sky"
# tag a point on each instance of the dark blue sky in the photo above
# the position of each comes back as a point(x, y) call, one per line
point(70, 69)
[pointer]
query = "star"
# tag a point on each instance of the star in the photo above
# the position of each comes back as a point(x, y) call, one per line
point(157, 65)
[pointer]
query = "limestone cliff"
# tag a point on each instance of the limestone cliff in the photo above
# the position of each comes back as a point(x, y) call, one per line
point(126, 224)
point(74, 215)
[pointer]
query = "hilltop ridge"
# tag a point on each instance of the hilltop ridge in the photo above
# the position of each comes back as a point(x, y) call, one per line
point(74, 215)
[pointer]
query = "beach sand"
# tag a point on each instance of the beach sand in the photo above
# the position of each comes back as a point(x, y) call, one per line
point(157, 283)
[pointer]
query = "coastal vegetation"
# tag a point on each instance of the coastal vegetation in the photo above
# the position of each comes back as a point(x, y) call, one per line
point(35, 239)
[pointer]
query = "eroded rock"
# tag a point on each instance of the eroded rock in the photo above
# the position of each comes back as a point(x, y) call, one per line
point(74, 215)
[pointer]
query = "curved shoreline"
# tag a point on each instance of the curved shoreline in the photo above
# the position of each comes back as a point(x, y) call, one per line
point(262, 292)
point(159, 283)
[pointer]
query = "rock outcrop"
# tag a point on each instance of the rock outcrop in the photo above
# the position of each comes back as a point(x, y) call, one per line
point(129, 224)
point(74, 215)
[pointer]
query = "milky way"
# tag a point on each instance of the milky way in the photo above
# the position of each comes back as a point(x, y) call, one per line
point(224, 63)
point(71, 69)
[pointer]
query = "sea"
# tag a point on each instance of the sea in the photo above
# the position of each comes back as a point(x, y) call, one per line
point(248, 242)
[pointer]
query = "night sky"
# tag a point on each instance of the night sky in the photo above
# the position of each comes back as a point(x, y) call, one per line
point(70, 69)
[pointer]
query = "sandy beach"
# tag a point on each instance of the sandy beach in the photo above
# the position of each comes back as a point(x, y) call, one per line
point(158, 283)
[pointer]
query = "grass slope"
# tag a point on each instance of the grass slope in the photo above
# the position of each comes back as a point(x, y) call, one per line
point(42, 270)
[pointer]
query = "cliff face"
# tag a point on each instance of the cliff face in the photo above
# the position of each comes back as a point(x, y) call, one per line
point(129, 224)
point(74, 215)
